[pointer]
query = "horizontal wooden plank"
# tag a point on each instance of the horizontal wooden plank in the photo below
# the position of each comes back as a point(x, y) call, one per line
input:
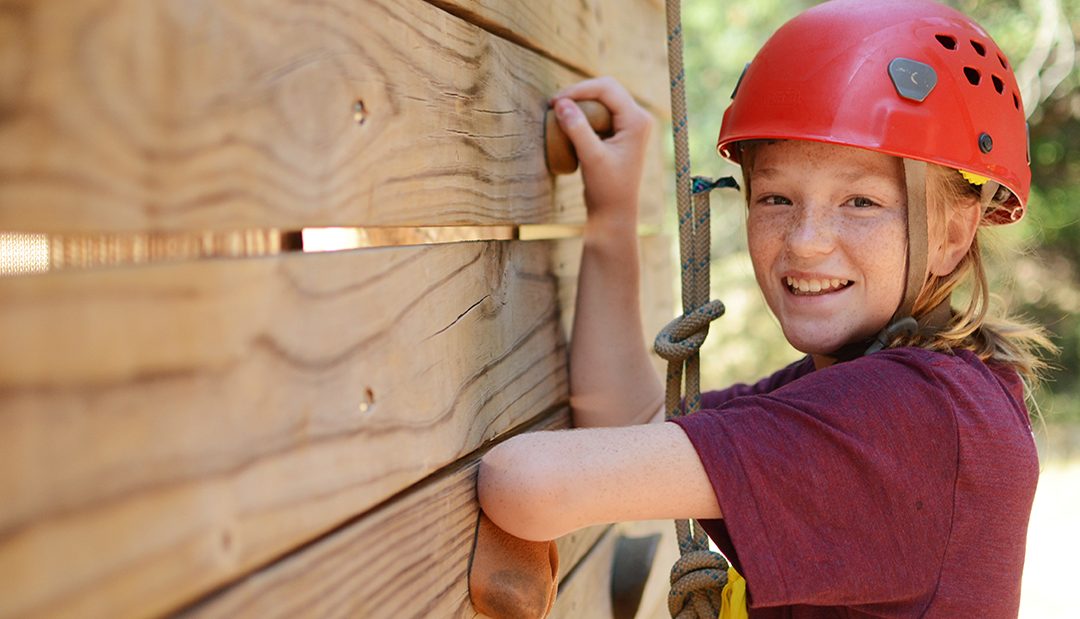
point(409, 558)
point(622, 38)
point(198, 115)
point(169, 428)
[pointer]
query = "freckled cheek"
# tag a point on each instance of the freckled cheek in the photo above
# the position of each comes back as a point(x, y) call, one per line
point(763, 239)
point(881, 248)
point(766, 231)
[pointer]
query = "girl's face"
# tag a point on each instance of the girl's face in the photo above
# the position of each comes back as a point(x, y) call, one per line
point(827, 230)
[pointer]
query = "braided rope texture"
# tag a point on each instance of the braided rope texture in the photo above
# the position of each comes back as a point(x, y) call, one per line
point(700, 574)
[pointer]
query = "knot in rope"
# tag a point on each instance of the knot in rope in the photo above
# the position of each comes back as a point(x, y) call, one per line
point(697, 581)
point(682, 337)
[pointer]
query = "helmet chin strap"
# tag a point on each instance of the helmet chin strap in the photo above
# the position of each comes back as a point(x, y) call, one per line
point(918, 237)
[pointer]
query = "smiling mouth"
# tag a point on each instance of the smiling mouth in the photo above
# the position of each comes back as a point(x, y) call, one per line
point(813, 287)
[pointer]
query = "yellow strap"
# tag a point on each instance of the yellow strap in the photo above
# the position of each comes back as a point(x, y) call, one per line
point(733, 597)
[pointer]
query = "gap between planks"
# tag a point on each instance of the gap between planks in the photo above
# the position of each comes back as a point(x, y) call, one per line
point(29, 253)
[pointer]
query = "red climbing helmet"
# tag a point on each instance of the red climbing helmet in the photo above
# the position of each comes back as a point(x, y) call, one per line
point(914, 79)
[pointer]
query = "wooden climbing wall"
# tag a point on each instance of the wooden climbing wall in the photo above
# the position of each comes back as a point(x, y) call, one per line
point(232, 428)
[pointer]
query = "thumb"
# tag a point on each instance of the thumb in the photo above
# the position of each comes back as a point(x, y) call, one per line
point(573, 122)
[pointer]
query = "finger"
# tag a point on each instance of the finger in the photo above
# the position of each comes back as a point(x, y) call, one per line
point(576, 126)
point(591, 85)
point(604, 89)
point(624, 110)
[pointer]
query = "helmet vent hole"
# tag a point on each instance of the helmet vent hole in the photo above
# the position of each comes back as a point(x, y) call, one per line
point(947, 41)
point(1016, 101)
point(973, 76)
point(999, 85)
point(1004, 65)
point(979, 48)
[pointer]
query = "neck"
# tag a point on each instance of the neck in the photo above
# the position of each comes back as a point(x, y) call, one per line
point(929, 323)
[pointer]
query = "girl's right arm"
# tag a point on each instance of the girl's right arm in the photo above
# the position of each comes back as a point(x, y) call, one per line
point(612, 381)
point(541, 485)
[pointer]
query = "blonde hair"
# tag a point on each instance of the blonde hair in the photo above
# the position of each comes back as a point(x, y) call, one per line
point(1001, 339)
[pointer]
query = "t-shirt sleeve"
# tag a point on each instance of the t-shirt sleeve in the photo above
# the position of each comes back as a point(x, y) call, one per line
point(716, 399)
point(836, 488)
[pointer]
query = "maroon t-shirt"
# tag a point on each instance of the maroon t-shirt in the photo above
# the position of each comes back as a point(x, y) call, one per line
point(895, 485)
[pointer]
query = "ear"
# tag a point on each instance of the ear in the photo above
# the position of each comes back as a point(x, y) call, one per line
point(961, 223)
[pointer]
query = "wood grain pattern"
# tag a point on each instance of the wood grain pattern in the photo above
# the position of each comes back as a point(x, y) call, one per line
point(172, 427)
point(625, 39)
point(169, 428)
point(409, 558)
point(388, 563)
point(199, 114)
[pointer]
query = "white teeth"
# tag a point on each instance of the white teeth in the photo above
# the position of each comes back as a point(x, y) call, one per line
point(815, 285)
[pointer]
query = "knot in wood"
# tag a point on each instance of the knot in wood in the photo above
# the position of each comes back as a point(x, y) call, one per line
point(681, 338)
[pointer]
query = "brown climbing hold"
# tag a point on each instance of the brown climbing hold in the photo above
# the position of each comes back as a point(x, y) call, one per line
point(559, 151)
point(509, 577)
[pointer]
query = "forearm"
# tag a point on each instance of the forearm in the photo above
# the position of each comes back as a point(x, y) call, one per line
point(543, 485)
point(612, 381)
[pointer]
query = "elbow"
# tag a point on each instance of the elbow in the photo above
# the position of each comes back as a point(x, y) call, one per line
point(520, 491)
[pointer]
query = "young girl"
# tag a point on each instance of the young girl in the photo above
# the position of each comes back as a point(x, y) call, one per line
point(891, 471)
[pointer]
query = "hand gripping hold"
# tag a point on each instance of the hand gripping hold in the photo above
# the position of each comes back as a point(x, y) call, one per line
point(558, 150)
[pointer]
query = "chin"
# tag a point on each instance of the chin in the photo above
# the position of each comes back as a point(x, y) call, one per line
point(810, 346)
point(815, 348)
point(804, 342)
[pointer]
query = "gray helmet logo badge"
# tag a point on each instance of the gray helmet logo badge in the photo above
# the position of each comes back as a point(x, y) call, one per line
point(913, 79)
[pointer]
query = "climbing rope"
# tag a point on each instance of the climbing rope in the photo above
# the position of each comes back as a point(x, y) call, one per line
point(699, 576)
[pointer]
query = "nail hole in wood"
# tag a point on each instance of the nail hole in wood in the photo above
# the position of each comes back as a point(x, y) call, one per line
point(359, 112)
point(369, 400)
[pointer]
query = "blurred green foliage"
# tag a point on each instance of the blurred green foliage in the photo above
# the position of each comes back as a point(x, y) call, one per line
point(1033, 265)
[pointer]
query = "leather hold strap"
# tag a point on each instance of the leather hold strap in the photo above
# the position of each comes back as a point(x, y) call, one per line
point(987, 192)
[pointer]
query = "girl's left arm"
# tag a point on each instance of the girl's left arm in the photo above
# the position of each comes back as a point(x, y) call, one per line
point(543, 485)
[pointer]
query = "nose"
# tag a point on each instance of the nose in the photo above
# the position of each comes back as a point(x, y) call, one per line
point(812, 231)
